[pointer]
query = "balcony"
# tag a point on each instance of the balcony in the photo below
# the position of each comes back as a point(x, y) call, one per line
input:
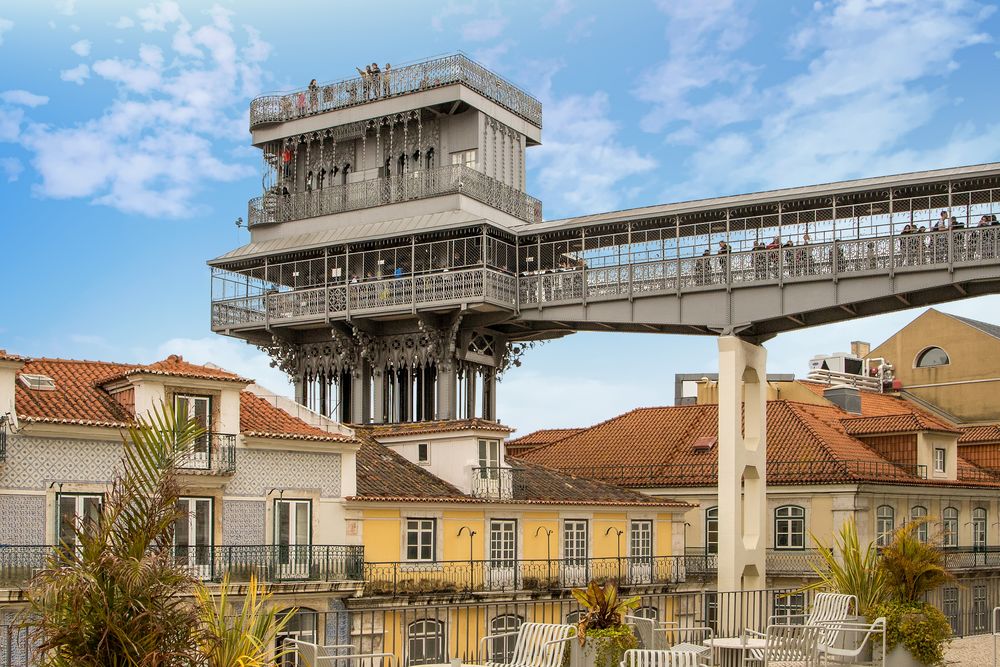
point(211, 453)
point(274, 207)
point(402, 578)
point(374, 296)
point(405, 80)
point(778, 562)
point(495, 483)
point(270, 563)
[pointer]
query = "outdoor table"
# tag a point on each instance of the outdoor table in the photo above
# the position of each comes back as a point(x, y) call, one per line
point(731, 648)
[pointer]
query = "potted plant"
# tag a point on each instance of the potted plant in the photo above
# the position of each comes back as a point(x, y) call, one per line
point(917, 632)
point(603, 635)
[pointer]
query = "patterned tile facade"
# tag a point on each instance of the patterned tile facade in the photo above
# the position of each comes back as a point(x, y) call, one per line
point(34, 463)
point(258, 471)
point(22, 519)
point(243, 522)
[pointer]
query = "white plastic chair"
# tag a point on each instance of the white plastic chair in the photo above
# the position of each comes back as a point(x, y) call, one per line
point(639, 657)
point(833, 655)
point(537, 645)
point(828, 609)
point(318, 655)
point(788, 645)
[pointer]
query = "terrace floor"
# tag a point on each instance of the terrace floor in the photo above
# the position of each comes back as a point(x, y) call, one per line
point(974, 651)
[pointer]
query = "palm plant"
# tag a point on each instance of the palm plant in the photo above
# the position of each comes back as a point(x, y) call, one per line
point(117, 598)
point(850, 569)
point(912, 567)
point(243, 640)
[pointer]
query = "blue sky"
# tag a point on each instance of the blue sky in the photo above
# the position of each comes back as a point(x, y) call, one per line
point(125, 157)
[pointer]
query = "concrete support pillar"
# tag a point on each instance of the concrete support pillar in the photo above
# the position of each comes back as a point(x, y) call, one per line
point(742, 465)
point(447, 385)
point(490, 396)
point(361, 394)
point(378, 405)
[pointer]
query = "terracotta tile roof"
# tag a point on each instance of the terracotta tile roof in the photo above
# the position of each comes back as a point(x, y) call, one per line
point(385, 475)
point(874, 404)
point(7, 356)
point(175, 366)
point(258, 418)
point(914, 421)
point(655, 447)
point(986, 433)
point(418, 428)
point(538, 438)
point(77, 397)
point(534, 483)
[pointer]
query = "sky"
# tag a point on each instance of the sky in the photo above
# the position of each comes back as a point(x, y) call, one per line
point(125, 155)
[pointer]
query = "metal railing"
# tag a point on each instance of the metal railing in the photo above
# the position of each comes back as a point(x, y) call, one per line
point(212, 453)
point(435, 577)
point(376, 295)
point(3, 442)
point(403, 80)
point(275, 206)
point(798, 562)
point(270, 563)
point(495, 483)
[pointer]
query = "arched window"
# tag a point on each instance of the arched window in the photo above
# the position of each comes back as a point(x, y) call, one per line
point(502, 648)
point(949, 526)
point(652, 613)
point(932, 356)
point(919, 513)
point(789, 527)
point(885, 523)
point(425, 642)
point(712, 530)
point(979, 528)
point(573, 617)
point(301, 625)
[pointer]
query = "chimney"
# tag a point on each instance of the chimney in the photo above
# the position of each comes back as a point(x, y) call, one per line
point(846, 398)
point(860, 349)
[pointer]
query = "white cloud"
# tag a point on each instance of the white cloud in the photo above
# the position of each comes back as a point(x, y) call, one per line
point(5, 27)
point(66, 7)
point(23, 98)
point(81, 48)
point(168, 133)
point(11, 168)
point(484, 29)
point(231, 354)
point(123, 22)
point(451, 9)
point(582, 164)
point(76, 75)
point(557, 10)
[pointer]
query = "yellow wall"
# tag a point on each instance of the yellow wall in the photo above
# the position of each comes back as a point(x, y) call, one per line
point(973, 355)
point(708, 393)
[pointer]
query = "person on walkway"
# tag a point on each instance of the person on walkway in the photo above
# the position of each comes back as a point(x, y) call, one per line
point(366, 80)
point(375, 75)
point(723, 253)
point(386, 83)
point(313, 96)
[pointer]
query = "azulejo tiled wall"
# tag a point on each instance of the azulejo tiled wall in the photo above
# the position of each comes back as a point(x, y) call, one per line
point(243, 522)
point(22, 519)
point(258, 471)
point(34, 463)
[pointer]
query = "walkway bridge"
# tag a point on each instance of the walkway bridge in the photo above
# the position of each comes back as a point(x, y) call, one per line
point(751, 265)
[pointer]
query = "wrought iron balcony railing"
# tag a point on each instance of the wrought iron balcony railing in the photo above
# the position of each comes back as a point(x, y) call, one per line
point(495, 483)
point(275, 207)
point(212, 453)
point(403, 80)
point(270, 563)
point(397, 578)
point(3, 442)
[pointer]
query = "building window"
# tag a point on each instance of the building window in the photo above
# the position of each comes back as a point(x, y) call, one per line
point(420, 538)
point(980, 612)
point(885, 523)
point(423, 453)
point(293, 537)
point(979, 529)
point(789, 527)
point(949, 524)
point(950, 606)
point(641, 541)
point(301, 625)
point(503, 543)
point(467, 158)
point(489, 458)
point(932, 356)
point(76, 511)
point(573, 617)
point(575, 541)
point(502, 648)
point(939, 459)
point(193, 536)
point(711, 612)
point(919, 513)
point(652, 613)
point(712, 530)
point(425, 642)
point(196, 409)
point(790, 608)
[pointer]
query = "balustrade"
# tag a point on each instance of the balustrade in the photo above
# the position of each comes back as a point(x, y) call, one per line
point(274, 206)
point(393, 83)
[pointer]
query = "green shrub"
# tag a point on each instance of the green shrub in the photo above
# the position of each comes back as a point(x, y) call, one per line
point(610, 644)
point(918, 626)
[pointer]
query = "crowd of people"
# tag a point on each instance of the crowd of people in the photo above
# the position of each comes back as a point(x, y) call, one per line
point(375, 82)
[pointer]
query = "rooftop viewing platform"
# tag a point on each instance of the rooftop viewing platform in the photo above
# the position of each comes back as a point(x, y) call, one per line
point(390, 82)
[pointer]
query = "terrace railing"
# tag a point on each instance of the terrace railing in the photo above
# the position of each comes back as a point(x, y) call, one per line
point(403, 80)
point(274, 207)
point(270, 563)
point(495, 483)
point(797, 562)
point(403, 578)
point(211, 453)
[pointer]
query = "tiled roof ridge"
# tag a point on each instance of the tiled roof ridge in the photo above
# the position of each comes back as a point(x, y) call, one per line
point(575, 429)
point(600, 482)
point(823, 445)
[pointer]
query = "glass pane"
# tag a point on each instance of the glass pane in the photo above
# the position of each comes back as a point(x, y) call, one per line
point(281, 523)
point(91, 511)
point(302, 524)
point(182, 537)
point(67, 519)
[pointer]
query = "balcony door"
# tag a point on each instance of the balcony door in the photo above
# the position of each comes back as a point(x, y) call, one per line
point(197, 409)
point(193, 536)
point(640, 565)
point(502, 566)
point(575, 552)
point(293, 537)
point(490, 482)
point(77, 511)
